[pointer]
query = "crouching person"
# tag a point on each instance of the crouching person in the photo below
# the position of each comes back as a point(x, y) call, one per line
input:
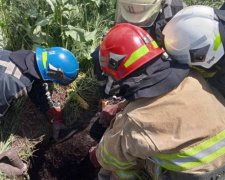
point(26, 71)
point(171, 124)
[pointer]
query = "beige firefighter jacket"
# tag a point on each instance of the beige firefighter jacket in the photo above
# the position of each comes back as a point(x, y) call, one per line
point(174, 131)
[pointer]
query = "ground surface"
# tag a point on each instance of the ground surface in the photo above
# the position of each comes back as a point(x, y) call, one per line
point(66, 160)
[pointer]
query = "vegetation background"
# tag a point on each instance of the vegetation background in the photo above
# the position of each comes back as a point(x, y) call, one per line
point(74, 24)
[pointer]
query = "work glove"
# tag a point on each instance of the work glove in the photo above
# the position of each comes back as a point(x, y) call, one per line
point(55, 116)
point(93, 158)
point(108, 113)
point(14, 166)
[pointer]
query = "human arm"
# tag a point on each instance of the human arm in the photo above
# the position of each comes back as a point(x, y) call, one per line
point(41, 97)
point(124, 148)
point(10, 90)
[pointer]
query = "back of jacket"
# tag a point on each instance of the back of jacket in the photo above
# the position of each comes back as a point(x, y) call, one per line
point(13, 83)
point(182, 131)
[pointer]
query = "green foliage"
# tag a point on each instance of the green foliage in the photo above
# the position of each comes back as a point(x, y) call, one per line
point(83, 98)
point(74, 24)
point(212, 3)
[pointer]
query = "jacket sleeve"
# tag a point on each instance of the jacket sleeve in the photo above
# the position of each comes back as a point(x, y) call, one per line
point(41, 96)
point(124, 148)
point(9, 90)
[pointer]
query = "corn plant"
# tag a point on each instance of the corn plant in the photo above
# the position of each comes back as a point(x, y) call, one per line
point(74, 24)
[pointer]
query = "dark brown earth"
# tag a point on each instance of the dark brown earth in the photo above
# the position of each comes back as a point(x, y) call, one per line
point(66, 160)
point(69, 159)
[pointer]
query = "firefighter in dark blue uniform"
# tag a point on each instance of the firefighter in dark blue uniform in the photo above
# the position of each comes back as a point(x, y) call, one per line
point(26, 72)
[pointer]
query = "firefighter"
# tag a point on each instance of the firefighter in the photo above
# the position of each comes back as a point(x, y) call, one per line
point(196, 36)
point(151, 15)
point(27, 72)
point(171, 124)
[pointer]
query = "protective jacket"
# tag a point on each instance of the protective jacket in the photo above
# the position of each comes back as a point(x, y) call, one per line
point(170, 8)
point(19, 76)
point(180, 131)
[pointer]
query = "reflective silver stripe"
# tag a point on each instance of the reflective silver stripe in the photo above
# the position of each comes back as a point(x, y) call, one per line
point(103, 64)
point(102, 83)
point(108, 85)
point(124, 175)
point(4, 63)
point(102, 61)
point(198, 156)
point(102, 58)
point(17, 73)
point(158, 170)
point(21, 92)
point(10, 68)
point(197, 42)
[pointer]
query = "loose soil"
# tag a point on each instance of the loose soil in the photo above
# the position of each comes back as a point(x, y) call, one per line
point(69, 159)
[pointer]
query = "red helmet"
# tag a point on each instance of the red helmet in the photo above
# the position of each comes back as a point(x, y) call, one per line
point(126, 48)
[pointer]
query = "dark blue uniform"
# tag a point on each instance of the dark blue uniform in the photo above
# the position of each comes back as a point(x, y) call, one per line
point(19, 75)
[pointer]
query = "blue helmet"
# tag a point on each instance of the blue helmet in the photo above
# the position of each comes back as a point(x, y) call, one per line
point(57, 64)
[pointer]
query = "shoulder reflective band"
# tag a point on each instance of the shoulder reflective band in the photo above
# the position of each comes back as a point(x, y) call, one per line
point(217, 42)
point(126, 174)
point(44, 59)
point(111, 160)
point(201, 154)
point(11, 69)
point(136, 55)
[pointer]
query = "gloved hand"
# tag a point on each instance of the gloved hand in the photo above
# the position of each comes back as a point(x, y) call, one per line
point(55, 116)
point(14, 166)
point(93, 158)
point(108, 113)
point(56, 128)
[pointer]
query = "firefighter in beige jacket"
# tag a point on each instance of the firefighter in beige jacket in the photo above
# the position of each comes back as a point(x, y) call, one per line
point(172, 123)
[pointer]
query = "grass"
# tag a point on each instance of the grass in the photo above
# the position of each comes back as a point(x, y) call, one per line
point(74, 24)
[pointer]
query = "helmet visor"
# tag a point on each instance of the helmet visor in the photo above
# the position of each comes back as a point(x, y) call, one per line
point(137, 13)
point(59, 76)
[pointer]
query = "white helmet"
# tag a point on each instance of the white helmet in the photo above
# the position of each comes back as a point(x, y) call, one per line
point(138, 12)
point(193, 37)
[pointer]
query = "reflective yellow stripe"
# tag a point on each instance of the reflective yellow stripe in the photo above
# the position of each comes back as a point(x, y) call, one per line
point(197, 163)
point(111, 160)
point(126, 174)
point(44, 59)
point(155, 45)
point(136, 55)
point(204, 145)
point(217, 42)
point(203, 153)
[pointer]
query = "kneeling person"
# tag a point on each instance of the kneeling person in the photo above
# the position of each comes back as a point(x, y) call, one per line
point(25, 71)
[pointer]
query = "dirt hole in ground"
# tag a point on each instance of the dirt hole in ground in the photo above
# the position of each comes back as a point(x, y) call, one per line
point(67, 160)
